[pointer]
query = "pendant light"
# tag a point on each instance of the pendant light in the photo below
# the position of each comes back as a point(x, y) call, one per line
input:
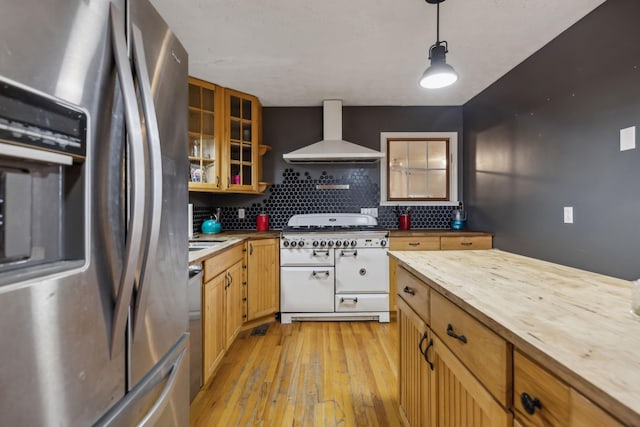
point(439, 73)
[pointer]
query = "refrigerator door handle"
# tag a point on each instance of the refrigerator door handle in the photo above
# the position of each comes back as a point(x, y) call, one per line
point(155, 412)
point(155, 154)
point(133, 246)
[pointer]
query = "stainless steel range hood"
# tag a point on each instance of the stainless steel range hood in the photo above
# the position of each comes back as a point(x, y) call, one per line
point(333, 149)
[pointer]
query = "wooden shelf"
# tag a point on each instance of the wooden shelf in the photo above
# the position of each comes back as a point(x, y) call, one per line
point(262, 149)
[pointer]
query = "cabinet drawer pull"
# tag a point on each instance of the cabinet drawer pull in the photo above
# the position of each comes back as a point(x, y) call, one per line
point(530, 404)
point(414, 243)
point(454, 335)
point(466, 243)
point(326, 272)
point(408, 290)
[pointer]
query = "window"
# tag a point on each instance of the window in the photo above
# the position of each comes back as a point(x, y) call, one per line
point(419, 168)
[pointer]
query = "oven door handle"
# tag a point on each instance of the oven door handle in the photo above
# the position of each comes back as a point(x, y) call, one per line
point(325, 272)
point(323, 252)
point(349, 252)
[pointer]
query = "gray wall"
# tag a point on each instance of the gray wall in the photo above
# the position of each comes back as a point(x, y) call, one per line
point(546, 135)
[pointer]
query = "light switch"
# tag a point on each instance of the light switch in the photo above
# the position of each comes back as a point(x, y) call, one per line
point(240, 213)
point(628, 138)
point(568, 214)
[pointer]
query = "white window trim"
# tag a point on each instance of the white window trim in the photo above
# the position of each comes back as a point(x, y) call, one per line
point(453, 170)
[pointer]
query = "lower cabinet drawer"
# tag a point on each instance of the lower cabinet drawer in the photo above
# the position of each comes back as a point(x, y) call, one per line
point(417, 243)
point(532, 383)
point(414, 292)
point(484, 352)
point(461, 242)
point(362, 302)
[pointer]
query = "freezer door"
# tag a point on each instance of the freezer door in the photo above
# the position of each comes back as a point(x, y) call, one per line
point(57, 367)
point(160, 315)
point(157, 400)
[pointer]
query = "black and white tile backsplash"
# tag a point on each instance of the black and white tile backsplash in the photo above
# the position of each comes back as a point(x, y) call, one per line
point(297, 194)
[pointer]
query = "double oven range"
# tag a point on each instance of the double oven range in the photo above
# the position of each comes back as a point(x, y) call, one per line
point(334, 267)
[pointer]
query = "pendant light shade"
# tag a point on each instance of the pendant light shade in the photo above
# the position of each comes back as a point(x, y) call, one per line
point(439, 73)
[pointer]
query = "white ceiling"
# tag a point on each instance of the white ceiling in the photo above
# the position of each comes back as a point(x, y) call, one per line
point(365, 52)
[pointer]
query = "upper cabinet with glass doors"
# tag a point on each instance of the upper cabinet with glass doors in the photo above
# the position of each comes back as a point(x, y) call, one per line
point(205, 135)
point(242, 137)
point(229, 155)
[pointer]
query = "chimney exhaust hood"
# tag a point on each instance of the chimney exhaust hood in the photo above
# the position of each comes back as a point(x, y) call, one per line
point(332, 149)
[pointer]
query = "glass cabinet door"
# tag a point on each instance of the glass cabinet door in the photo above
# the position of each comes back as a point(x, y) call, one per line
point(242, 140)
point(204, 130)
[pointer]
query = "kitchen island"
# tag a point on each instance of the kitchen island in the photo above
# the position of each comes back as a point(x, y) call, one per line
point(574, 325)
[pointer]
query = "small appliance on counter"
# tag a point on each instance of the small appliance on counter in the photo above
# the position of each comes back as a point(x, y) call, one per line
point(212, 226)
point(458, 218)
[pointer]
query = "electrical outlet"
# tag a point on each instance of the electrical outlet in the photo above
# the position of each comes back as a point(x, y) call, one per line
point(240, 213)
point(568, 214)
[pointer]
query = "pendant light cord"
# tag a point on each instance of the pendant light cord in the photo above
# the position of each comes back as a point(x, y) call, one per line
point(438, 23)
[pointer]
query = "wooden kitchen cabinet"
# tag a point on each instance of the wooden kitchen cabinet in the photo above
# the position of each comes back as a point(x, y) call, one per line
point(459, 397)
point(263, 278)
point(466, 242)
point(233, 303)
point(431, 241)
point(435, 387)
point(225, 131)
point(213, 323)
point(205, 135)
point(551, 401)
point(222, 306)
point(414, 371)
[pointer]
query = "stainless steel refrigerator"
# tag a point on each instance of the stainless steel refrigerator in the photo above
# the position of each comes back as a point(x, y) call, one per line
point(93, 225)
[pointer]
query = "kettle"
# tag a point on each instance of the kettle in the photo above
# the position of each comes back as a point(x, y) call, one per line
point(212, 226)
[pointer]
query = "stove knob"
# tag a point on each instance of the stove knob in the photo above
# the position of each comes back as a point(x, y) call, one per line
point(330, 243)
point(323, 243)
point(353, 243)
point(285, 243)
point(338, 243)
point(345, 243)
point(301, 243)
point(383, 243)
point(315, 243)
point(294, 244)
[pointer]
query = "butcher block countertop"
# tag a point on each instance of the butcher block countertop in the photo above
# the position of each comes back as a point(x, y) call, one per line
point(575, 323)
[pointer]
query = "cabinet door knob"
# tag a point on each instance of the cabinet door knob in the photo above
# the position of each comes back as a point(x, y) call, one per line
point(530, 404)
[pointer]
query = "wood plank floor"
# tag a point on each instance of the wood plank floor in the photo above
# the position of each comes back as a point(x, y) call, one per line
point(306, 374)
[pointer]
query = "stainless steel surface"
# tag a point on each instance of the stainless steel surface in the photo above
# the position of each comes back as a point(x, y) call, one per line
point(155, 400)
point(165, 315)
point(57, 367)
point(195, 329)
point(137, 178)
point(154, 209)
point(64, 358)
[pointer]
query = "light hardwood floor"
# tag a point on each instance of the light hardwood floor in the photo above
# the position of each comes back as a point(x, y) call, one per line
point(306, 374)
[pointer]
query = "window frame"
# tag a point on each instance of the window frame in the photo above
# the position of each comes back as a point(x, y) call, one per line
point(453, 167)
